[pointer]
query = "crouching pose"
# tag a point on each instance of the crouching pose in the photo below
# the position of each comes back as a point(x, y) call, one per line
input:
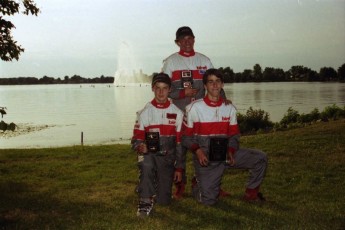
point(157, 141)
point(211, 132)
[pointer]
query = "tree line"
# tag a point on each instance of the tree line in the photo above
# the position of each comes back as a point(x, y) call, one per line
point(257, 74)
point(75, 79)
point(295, 73)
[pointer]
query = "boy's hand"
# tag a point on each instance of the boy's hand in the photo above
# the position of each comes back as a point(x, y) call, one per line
point(231, 159)
point(190, 92)
point(202, 157)
point(177, 176)
point(142, 148)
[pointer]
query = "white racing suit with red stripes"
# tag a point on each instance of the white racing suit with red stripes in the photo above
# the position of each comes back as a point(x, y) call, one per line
point(181, 66)
point(205, 119)
point(156, 169)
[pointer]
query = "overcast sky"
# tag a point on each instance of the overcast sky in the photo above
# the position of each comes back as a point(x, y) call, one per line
point(90, 38)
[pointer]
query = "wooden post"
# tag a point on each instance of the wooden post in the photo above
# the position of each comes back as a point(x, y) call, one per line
point(82, 138)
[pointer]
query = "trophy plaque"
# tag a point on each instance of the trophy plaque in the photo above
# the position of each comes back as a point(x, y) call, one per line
point(186, 79)
point(152, 141)
point(218, 149)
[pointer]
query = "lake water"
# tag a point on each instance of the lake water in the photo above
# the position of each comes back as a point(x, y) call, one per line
point(106, 114)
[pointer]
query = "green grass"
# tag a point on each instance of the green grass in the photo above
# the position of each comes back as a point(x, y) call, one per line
point(92, 187)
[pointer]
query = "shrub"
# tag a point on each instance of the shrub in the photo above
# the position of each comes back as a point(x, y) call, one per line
point(333, 112)
point(254, 120)
point(291, 116)
point(310, 117)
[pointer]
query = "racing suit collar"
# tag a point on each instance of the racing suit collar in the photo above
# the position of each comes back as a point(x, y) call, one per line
point(186, 54)
point(160, 105)
point(213, 103)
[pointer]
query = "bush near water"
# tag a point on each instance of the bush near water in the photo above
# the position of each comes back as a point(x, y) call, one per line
point(258, 121)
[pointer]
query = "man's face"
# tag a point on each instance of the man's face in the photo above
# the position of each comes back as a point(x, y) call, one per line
point(161, 91)
point(186, 43)
point(213, 86)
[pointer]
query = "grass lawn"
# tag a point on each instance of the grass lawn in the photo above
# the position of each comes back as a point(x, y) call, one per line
point(92, 187)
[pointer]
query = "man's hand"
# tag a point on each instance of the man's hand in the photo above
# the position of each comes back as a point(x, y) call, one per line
point(202, 157)
point(190, 92)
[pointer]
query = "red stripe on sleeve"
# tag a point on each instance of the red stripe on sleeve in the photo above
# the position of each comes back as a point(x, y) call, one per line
point(138, 134)
point(233, 130)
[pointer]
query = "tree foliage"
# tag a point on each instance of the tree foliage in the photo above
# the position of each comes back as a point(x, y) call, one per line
point(295, 73)
point(9, 49)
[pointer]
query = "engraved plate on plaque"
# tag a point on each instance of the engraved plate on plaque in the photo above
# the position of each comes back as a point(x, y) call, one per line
point(218, 149)
point(152, 141)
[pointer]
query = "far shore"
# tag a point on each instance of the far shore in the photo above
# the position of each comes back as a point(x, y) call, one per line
point(22, 129)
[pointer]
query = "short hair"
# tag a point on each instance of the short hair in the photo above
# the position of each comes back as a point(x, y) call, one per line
point(161, 77)
point(214, 72)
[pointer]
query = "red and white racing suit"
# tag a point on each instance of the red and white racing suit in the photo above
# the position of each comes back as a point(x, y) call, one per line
point(205, 119)
point(157, 169)
point(180, 66)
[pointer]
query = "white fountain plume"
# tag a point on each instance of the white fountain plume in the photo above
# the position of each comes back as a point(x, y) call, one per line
point(128, 71)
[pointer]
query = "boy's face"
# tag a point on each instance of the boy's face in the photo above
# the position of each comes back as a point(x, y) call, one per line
point(161, 91)
point(213, 86)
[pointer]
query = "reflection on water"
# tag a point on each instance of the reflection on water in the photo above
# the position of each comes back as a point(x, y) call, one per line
point(106, 114)
point(276, 98)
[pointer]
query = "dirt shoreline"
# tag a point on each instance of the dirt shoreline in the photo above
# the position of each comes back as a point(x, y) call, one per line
point(22, 129)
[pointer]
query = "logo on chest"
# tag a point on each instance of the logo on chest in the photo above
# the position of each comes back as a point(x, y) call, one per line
point(225, 118)
point(171, 118)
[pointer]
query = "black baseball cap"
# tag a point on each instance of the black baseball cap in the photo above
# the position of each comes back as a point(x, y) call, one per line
point(161, 77)
point(184, 31)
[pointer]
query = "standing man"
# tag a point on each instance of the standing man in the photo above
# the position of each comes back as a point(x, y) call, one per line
point(186, 68)
point(211, 132)
point(157, 141)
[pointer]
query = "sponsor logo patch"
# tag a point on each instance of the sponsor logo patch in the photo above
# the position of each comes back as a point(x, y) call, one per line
point(225, 118)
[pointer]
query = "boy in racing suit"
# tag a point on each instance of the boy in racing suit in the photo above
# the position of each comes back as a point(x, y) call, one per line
point(211, 132)
point(157, 141)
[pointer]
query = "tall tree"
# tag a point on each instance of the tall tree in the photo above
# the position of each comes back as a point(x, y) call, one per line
point(268, 74)
point(341, 72)
point(9, 49)
point(257, 72)
point(228, 75)
point(327, 74)
point(299, 73)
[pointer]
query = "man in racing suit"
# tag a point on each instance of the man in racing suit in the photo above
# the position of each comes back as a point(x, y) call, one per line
point(186, 68)
point(157, 141)
point(211, 132)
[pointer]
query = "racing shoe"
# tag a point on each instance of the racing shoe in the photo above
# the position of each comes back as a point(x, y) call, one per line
point(253, 195)
point(258, 197)
point(144, 208)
